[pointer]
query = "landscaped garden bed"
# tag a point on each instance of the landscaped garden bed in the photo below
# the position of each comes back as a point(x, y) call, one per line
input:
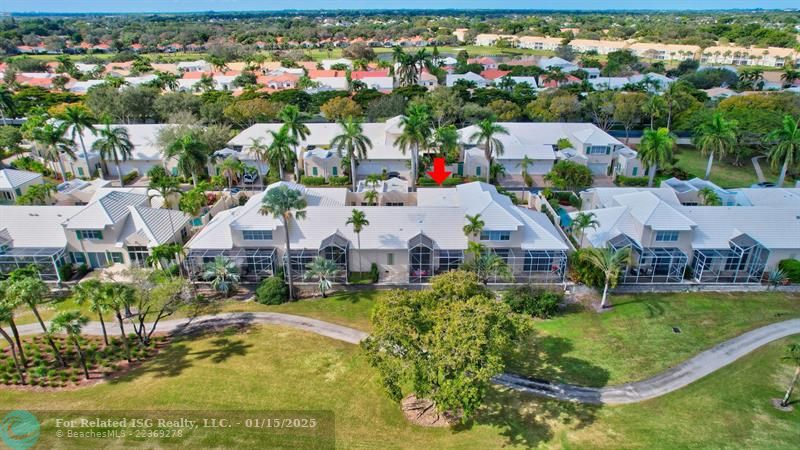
point(103, 362)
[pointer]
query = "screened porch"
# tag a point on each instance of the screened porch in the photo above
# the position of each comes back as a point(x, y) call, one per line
point(650, 264)
point(334, 248)
point(47, 260)
point(425, 260)
point(254, 264)
point(744, 262)
point(532, 266)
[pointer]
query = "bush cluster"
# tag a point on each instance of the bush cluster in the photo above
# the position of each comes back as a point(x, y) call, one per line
point(533, 301)
point(272, 291)
point(791, 267)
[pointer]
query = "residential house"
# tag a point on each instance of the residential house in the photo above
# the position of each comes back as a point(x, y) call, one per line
point(664, 52)
point(145, 155)
point(330, 79)
point(539, 42)
point(328, 64)
point(14, 183)
point(671, 242)
point(408, 242)
point(374, 79)
point(194, 66)
point(601, 47)
point(453, 78)
point(750, 56)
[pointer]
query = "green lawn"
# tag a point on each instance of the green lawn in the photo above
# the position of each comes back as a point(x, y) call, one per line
point(635, 339)
point(276, 368)
point(723, 173)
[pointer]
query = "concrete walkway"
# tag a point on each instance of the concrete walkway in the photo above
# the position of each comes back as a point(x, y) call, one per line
point(668, 381)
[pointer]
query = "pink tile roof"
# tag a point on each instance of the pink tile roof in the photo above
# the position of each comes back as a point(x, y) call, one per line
point(494, 74)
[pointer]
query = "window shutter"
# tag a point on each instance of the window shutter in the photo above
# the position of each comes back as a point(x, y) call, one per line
point(78, 233)
point(100, 235)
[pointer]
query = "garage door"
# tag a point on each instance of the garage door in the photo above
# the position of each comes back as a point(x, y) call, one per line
point(598, 169)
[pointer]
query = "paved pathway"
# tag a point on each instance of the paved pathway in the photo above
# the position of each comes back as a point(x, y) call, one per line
point(670, 380)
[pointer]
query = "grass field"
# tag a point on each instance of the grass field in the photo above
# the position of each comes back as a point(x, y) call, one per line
point(275, 368)
point(723, 173)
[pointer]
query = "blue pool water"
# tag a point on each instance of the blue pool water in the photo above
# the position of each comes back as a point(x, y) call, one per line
point(566, 220)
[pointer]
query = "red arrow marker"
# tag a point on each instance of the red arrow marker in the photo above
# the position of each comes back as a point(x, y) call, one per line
point(439, 174)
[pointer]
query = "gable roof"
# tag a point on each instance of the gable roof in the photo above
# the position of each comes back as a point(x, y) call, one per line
point(36, 226)
point(108, 210)
point(11, 178)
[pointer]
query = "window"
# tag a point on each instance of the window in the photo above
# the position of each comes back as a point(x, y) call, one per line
point(335, 171)
point(92, 235)
point(390, 259)
point(175, 171)
point(78, 257)
point(635, 171)
point(80, 171)
point(257, 235)
point(495, 235)
point(393, 204)
point(314, 171)
point(138, 255)
point(666, 236)
point(598, 150)
point(116, 257)
point(478, 171)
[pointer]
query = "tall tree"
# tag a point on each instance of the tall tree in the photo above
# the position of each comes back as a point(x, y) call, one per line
point(291, 117)
point(50, 141)
point(358, 219)
point(353, 143)
point(78, 120)
point(485, 136)
point(9, 305)
point(281, 150)
point(716, 136)
point(31, 291)
point(445, 139)
point(474, 226)
point(786, 146)
point(120, 297)
point(114, 142)
point(261, 152)
point(6, 315)
point(90, 292)
point(285, 204)
point(656, 149)
point(231, 168)
point(72, 323)
point(582, 222)
point(793, 357)
point(191, 153)
point(7, 106)
point(608, 261)
point(415, 136)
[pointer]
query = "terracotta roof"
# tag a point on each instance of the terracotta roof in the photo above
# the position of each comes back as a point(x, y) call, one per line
point(494, 74)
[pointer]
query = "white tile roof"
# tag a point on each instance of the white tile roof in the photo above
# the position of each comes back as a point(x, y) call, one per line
point(155, 223)
point(440, 215)
point(769, 197)
point(11, 178)
point(774, 228)
point(107, 210)
point(144, 138)
point(651, 211)
point(36, 226)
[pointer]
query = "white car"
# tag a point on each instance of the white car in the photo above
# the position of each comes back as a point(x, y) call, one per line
point(250, 177)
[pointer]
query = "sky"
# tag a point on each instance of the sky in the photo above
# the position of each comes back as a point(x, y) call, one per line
point(82, 6)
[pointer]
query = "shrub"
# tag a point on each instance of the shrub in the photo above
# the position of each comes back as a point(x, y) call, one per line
point(313, 181)
point(340, 181)
point(631, 181)
point(791, 267)
point(65, 272)
point(533, 301)
point(373, 272)
point(130, 177)
point(581, 271)
point(272, 291)
point(83, 269)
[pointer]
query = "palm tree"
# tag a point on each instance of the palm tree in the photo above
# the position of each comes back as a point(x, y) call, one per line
point(786, 147)
point(192, 155)
point(50, 140)
point(114, 142)
point(261, 151)
point(353, 143)
point(37, 194)
point(610, 262)
point(120, 297)
point(323, 270)
point(358, 220)
point(653, 107)
point(90, 292)
point(415, 136)
point(486, 136)
point(556, 75)
point(223, 275)
point(789, 76)
point(72, 322)
point(793, 356)
point(488, 266)
point(31, 291)
point(371, 197)
point(655, 148)
point(167, 80)
point(445, 139)
point(231, 168)
point(9, 305)
point(7, 315)
point(715, 136)
point(474, 226)
point(281, 150)
point(78, 119)
point(290, 115)
point(582, 222)
point(709, 197)
point(283, 204)
point(6, 103)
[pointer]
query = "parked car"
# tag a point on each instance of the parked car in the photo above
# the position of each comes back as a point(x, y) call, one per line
point(393, 175)
point(763, 184)
point(250, 177)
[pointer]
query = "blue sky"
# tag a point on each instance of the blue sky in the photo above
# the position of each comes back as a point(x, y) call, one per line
point(242, 5)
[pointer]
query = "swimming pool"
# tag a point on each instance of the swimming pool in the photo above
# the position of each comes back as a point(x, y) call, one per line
point(566, 220)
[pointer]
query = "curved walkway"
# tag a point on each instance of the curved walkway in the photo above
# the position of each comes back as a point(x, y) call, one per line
point(670, 380)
